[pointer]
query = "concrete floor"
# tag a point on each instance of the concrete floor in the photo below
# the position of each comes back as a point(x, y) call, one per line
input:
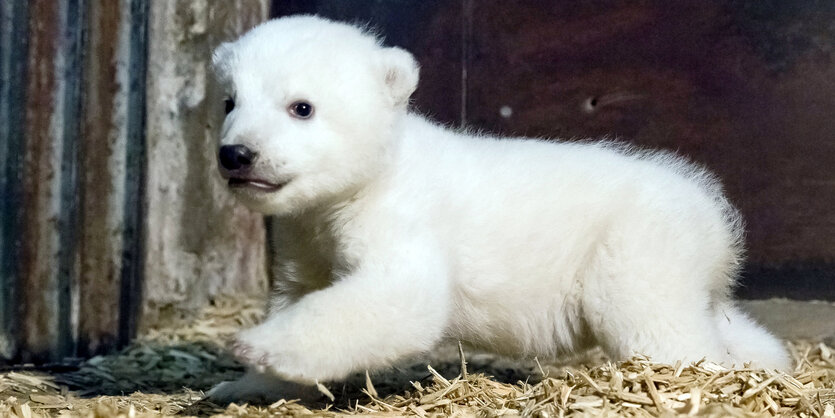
point(792, 319)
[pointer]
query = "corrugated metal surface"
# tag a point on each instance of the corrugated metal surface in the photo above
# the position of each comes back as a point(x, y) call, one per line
point(103, 156)
point(56, 249)
point(112, 157)
point(49, 186)
point(76, 162)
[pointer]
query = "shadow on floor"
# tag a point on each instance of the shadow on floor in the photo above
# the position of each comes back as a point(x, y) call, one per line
point(191, 367)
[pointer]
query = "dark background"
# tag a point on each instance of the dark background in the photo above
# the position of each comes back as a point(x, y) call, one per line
point(745, 88)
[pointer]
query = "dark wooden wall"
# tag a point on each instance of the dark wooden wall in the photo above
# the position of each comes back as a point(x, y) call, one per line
point(746, 88)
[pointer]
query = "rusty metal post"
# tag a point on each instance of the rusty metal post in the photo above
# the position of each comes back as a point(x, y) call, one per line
point(49, 187)
point(113, 165)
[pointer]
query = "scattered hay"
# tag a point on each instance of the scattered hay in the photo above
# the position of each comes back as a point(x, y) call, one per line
point(633, 388)
point(166, 371)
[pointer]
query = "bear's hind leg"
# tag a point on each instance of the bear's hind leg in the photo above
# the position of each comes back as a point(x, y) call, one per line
point(645, 299)
point(664, 331)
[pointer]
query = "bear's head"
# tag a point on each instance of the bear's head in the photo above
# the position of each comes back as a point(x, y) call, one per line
point(312, 108)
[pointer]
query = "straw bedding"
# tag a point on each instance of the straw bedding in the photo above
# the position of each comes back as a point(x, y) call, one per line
point(178, 357)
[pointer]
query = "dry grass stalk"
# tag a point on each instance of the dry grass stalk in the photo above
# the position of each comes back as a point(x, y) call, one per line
point(165, 371)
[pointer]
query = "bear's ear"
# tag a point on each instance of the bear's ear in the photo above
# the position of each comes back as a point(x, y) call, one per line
point(401, 74)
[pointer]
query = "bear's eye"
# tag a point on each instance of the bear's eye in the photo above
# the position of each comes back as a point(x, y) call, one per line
point(229, 105)
point(301, 110)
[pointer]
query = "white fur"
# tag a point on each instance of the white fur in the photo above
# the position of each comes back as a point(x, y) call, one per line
point(397, 233)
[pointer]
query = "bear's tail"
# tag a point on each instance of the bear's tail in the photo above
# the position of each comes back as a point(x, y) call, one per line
point(748, 342)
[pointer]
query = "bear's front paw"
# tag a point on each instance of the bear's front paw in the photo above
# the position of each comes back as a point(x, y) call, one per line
point(273, 350)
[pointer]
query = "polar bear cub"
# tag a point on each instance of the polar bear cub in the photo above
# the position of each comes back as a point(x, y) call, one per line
point(397, 233)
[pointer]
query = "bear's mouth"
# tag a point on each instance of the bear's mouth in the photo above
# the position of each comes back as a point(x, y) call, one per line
point(256, 184)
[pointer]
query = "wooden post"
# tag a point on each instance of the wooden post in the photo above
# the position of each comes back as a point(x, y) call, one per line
point(200, 241)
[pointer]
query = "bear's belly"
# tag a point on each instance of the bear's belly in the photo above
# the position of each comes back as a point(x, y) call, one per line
point(545, 325)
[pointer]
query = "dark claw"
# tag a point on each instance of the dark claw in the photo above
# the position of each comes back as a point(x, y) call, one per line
point(241, 350)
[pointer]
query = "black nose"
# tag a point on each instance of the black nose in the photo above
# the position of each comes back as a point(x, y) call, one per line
point(236, 157)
